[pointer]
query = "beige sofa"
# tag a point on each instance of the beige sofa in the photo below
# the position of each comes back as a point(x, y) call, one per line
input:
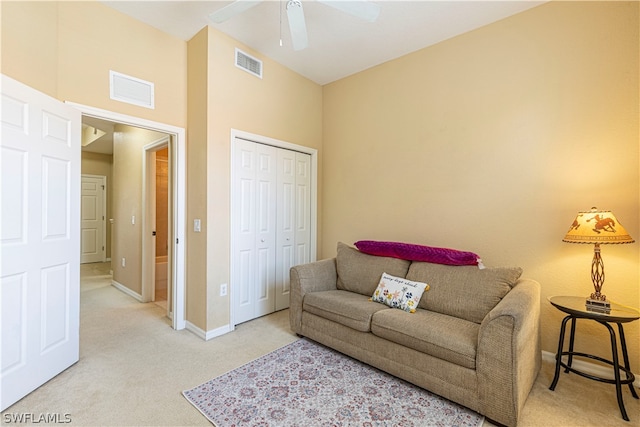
point(474, 338)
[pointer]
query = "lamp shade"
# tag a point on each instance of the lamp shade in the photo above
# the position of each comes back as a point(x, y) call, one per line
point(597, 226)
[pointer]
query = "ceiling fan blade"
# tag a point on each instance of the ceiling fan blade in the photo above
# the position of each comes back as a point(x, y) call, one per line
point(362, 9)
point(231, 10)
point(297, 25)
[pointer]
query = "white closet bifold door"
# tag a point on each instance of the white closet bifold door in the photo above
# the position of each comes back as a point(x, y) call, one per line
point(271, 207)
point(253, 257)
point(286, 225)
point(266, 236)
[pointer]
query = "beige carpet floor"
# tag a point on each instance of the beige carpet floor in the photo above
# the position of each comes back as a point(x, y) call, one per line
point(133, 368)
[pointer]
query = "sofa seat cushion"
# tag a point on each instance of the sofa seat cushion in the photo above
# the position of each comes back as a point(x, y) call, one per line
point(445, 337)
point(347, 308)
point(361, 273)
point(466, 292)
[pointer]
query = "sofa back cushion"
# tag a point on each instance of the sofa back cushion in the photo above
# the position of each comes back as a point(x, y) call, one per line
point(466, 292)
point(361, 273)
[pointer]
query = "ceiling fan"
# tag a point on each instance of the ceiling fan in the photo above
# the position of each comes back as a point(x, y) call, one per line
point(362, 9)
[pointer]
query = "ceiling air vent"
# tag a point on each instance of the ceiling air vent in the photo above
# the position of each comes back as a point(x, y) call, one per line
point(248, 63)
point(131, 90)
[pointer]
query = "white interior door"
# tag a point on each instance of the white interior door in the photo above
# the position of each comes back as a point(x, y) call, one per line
point(265, 236)
point(293, 219)
point(286, 216)
point(39, 239)
point(303, 210)
point(92, 223)
point(253, 266)
point(244, 216)
point(271, 211)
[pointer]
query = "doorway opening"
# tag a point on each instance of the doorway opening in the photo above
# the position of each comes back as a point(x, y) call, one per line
point(161, 226)
point(138, 267)
point(158, 204)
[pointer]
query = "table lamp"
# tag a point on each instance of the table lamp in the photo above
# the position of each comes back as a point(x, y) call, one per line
point(597, 227)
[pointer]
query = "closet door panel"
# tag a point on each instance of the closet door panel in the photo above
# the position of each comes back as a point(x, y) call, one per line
point(286, 216)
point(303, 209)
point(265, 242)
point(246, 278)
point(244, 257)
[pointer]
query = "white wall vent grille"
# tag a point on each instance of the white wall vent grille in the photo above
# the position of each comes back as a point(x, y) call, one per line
point(131, 90)
point(248, 63)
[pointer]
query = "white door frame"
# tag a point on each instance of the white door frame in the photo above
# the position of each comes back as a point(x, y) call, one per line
point(104, 211)
point(235, 133)
point(179, 190)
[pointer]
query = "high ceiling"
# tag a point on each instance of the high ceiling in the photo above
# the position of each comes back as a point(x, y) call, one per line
point(339, 44)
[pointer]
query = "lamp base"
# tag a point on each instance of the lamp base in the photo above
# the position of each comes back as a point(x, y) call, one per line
point(598, 305)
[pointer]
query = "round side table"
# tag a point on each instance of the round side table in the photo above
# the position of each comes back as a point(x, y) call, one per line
point(576, 309)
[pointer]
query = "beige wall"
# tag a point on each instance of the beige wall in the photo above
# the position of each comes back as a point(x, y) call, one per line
point(101, 164)
point(66, 49)
point(128, 143)
point(29, 51)
point(491, 142)
point(282, 105)
point(196, 256)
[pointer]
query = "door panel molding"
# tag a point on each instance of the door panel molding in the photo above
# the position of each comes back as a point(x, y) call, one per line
point(96, 227)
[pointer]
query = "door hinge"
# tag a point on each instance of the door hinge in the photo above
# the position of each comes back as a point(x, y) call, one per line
point(102, 187)
point(177, 241)
point(153, 233)
point(103, 248)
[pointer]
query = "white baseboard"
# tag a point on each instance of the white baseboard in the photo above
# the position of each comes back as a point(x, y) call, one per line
point(588, 367)
point(218, 331)
point(126, 290)
point(208, 334)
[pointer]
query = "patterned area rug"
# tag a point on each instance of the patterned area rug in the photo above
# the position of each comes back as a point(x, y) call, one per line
point(307, 384)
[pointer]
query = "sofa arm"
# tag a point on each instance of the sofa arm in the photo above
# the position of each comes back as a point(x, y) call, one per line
point(509, 355)
point(305, 278)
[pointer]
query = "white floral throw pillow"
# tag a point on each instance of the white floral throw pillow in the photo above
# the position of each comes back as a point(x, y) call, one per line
point(397, 292)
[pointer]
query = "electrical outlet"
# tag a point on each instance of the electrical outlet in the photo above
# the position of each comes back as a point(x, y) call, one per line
point(223, 289)
point(123, 262)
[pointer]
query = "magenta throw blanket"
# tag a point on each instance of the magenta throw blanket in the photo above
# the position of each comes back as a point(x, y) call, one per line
point(413, 252)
